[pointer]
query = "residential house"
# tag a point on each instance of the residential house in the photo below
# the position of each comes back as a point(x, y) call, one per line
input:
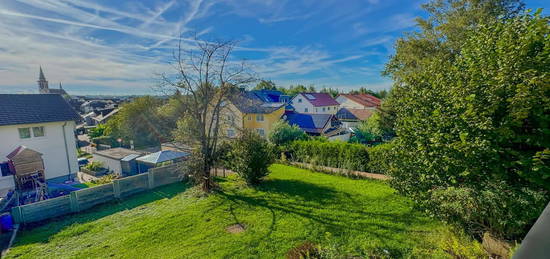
point(314, 103)
point(94, 105)
point(358, 101)
point(355, 108)
point(350, 118)
point(249, 110)
point(43, 123)
point(316, 124)
point(120, 161)
point(104, 116)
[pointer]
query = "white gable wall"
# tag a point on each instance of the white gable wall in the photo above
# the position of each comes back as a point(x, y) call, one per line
point(51, 146)
point(303, 106)
point(331, 109)
point(300, 107)
point(348, 103)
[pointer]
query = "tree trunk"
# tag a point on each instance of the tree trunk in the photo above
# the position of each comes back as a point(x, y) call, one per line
point(207, 180)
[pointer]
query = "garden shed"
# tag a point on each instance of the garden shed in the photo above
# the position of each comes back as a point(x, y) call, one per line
point(159, 158)
point(120, 161)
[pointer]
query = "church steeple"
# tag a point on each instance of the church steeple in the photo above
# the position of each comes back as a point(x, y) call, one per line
point(42, 83)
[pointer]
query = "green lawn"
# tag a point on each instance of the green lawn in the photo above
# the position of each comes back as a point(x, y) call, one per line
point(341, 215)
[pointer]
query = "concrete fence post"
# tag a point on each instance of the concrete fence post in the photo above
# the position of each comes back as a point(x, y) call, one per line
point(150, 179)
point(116, 188)
point(75, 207)
point(17, 215)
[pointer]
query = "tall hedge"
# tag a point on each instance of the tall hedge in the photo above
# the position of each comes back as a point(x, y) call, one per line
point(474, 129)
point(331, 154)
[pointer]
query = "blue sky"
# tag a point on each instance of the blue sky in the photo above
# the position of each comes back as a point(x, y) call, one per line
point(117, 47)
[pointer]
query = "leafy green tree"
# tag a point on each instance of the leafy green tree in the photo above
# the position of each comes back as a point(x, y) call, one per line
point(283, 133)
point(98, 131)
point(139, 121)
point(296, 89)
point(472, 106)
point(381, 94)
point(373, 130)
point(362, 90)
point(207, 78)
point(170, 112)
point(331, 91)
point(368, 131)
point(265, 85)
point(250, 157)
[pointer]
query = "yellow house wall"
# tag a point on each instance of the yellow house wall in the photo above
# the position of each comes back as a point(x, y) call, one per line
point(250, 121)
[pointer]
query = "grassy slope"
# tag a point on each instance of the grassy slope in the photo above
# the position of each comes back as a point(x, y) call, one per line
point(354, 217)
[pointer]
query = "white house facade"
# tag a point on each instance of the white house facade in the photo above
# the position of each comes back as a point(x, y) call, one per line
point(358, 101)
point(44, 123)
point(314, 103)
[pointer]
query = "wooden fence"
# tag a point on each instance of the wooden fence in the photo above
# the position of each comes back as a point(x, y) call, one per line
point(87, 198)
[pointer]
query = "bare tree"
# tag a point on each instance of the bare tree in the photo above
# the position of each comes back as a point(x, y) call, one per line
point(206, 77)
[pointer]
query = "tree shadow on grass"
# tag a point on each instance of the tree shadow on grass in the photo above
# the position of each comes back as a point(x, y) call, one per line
point(42, 231)
point(296, 188)
point(327, 209)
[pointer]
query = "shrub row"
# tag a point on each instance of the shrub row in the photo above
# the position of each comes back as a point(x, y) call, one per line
point(331, 154)
point(380, 157)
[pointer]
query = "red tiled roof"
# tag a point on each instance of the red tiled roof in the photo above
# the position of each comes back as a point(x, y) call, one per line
point(320, 99)
point(363, 99)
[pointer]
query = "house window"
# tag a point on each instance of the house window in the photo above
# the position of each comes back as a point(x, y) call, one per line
point(5, 168)
point(323, 108)
point(38, 131)
point(230, 133)
point(316, 110)
point(261, 132)
point(260, 117)
point(24, 133)
point(230, 118)
point(299, 100)
point(305, 109)
point(249, 117)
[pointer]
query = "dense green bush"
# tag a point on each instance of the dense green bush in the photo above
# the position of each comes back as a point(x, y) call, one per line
point(504, 209)
point(472, 121)
point(332, 154)
point(250, 156)
point(94, 166)
point(98, 131)
point(105, 140)
point(380, 157)
point(283, 133)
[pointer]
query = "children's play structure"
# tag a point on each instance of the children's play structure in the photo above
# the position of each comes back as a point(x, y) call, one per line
point(28, 170)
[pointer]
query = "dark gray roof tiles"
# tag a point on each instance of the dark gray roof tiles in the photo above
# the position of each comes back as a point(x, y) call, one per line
point(248, 102)
point(34, 108)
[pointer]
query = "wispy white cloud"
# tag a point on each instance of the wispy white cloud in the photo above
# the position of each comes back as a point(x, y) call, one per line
point(68, 39)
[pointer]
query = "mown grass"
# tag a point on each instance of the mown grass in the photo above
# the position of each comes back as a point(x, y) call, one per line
point(344, 217)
